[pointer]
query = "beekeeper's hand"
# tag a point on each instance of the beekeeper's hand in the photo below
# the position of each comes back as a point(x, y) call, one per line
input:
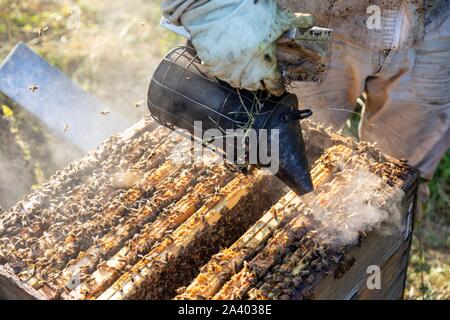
point(236, 40)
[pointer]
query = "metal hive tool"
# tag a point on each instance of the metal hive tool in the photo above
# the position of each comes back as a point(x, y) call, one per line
point(181, 93)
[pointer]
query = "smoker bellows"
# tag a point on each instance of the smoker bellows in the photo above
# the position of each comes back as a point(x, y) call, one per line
point(130, 221)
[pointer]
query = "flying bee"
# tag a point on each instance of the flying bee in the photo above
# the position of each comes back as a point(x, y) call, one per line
point(42, 30)
point(105, 112)
point(33, 88)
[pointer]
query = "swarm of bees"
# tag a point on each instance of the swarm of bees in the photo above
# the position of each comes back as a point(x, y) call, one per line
point(83, 235)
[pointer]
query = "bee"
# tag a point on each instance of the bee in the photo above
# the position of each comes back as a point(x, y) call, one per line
point(169, 238)
point(305, 273)
point(105, 112)
point(285, 297)
point(33, 88)
point(297, 281)
point(310, 279)
point(42, 30)
point(119, 288)
point(203, 220)
point(308, 294)
point(276, 291)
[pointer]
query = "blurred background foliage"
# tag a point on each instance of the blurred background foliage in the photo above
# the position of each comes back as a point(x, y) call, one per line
point(111, 48)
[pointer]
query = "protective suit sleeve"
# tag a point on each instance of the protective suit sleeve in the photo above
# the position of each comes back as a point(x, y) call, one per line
point(173, 9)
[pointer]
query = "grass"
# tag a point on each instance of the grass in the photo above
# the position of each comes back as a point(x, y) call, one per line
point(112, 49)
point(429, 268)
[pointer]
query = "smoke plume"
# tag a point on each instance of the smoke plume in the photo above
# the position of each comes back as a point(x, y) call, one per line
point(354, 202)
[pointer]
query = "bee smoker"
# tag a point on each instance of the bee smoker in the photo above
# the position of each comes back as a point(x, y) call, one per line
point(181, 93)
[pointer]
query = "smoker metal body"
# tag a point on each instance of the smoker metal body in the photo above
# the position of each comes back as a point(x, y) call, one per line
point(181, 93)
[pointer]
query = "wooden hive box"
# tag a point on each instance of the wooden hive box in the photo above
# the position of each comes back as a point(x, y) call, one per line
point(129, 221)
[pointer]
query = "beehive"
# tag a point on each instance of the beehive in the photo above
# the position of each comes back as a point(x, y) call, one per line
point(130, 221)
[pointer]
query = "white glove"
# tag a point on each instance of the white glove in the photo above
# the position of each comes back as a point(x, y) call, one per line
point(236, 40)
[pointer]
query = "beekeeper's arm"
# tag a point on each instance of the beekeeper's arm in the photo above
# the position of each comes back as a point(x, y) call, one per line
point(236, 39)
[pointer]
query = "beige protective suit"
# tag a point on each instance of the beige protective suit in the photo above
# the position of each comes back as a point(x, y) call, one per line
point(404, 67)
